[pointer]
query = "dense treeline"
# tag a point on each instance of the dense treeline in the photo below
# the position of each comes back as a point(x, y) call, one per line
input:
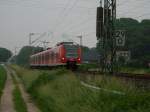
point(23, 57)
point(137, 41)
point(89, 54)
point(5, 54)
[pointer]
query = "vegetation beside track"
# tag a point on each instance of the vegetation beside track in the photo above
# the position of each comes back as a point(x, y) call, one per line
point(19, 103)
point(84, 67)
point(3, 77)
point(60, 90)
point(125, 69)
point(136, 70)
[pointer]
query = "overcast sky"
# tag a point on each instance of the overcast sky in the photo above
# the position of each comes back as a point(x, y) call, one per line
point(62, 20)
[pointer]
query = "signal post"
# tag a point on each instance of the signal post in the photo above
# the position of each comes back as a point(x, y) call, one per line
point(106, 16)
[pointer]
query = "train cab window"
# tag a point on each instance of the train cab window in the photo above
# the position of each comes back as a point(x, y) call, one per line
point(71, 51)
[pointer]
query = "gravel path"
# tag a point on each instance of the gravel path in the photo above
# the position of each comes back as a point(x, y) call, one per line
point(7, 104)
point(6, 99)
point(31, 107)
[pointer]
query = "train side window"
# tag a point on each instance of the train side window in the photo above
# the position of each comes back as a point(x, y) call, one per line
point(43, 58)
point(40, 58)
point(31, 59)
point(35, 59)
point(52, 56)
point(46, 57)
point(57, 56)
point(49, 55)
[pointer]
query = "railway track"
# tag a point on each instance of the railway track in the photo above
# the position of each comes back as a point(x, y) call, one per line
point(121, 74)
point(134, 76)
point(141, 81)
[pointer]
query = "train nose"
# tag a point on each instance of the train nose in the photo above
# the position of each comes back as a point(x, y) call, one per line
point(71, 59)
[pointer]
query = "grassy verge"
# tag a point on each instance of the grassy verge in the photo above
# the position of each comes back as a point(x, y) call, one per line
point(60, 90)
point(3, 78)
point(136, 70)
point(19, 103)
point(87, 66)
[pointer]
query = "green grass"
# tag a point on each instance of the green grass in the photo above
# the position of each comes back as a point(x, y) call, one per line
point(3, 78)
point(136, 70)
point(60, 90)
point(19, 104)
point(27, 76)
point(87, 66)
point(110, 83)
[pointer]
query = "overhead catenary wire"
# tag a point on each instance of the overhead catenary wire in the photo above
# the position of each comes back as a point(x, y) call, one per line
point(42, 35)
point(61, 13)
point(142, 15)
point(67, 27)
point(81, 29)
point(87, 8)
point(66, 15)
point(132, 12)
point(148, 14)
point(85, 22)
point(69, 0)
point(133, 9)
point(33, 1)
point(33, 6)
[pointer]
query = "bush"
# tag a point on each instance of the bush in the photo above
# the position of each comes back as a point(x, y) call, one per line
point(3, 78)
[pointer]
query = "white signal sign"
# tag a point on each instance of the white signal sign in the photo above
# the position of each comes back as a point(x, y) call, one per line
point(120, 38)
point(125, 54)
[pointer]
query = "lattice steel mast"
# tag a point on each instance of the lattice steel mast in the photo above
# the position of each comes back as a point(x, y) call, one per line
point(106, 16)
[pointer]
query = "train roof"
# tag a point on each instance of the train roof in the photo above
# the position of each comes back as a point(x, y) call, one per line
point(60, 43)
point(66, 43)
point(39, 53)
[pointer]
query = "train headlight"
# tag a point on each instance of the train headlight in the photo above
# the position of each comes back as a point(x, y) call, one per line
point(63, 59)
point(79, 59)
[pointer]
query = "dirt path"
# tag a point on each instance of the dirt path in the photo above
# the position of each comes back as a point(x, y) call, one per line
point(6, 99)
point(30, 105)
point(7, 104)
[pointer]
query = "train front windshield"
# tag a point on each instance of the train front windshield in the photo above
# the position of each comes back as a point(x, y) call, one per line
point(71, 51)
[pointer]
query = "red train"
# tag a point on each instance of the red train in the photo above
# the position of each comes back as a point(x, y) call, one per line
point(63, 54)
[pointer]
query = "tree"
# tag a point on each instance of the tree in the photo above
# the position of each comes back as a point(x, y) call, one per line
point(24, 54)
point(89, 54)
point(5, 54)
point(137, 39)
